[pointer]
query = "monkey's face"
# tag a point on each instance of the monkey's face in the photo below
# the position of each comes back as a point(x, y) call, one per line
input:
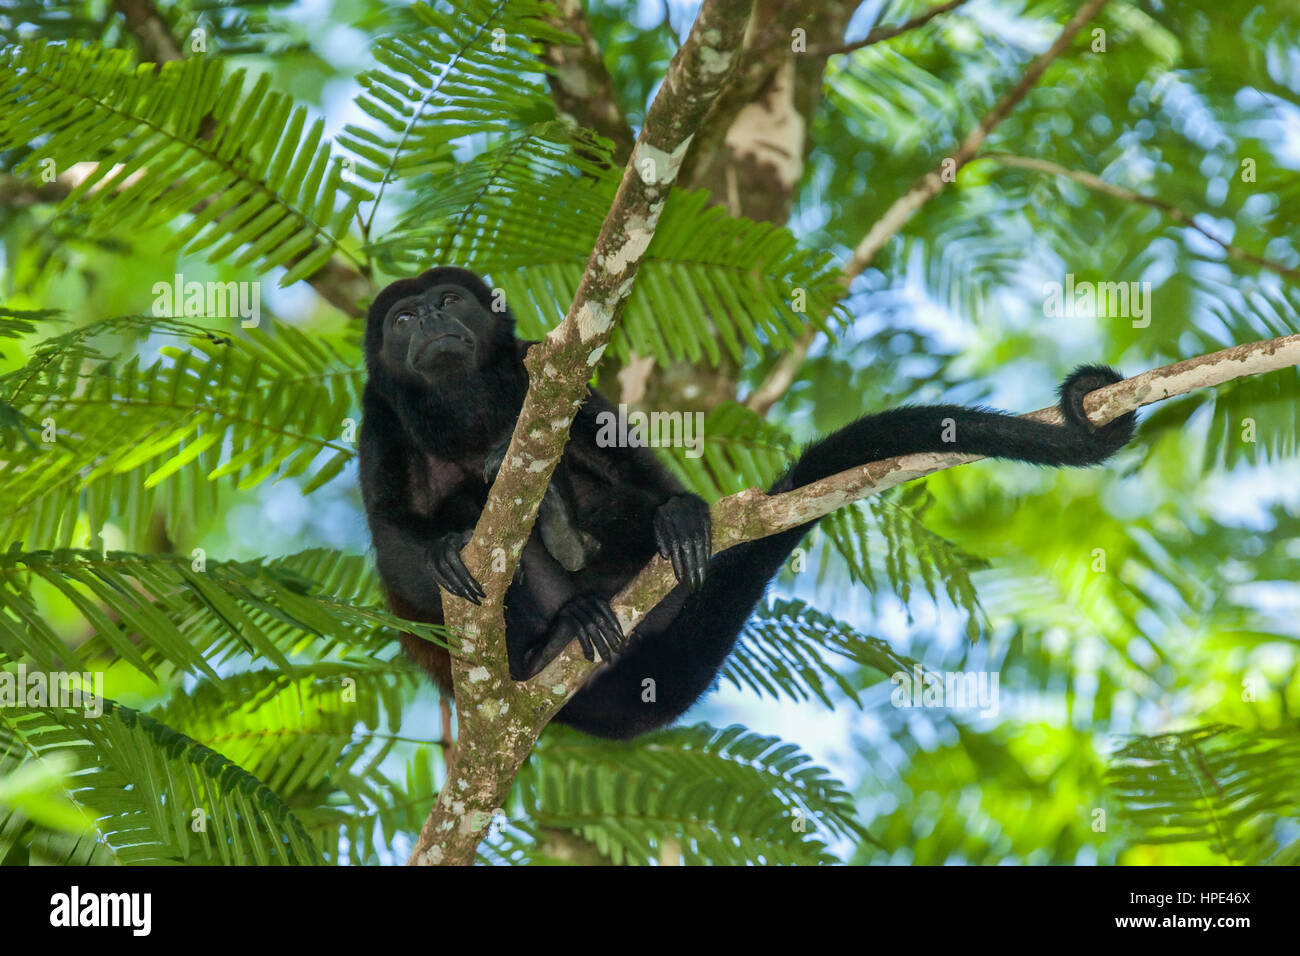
point(438, 332)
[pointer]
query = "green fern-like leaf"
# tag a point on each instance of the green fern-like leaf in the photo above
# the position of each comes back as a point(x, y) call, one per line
point(142, 781)
point(193, 620)
point(788, 649)
point(908, 550)
point(295, 730)
point(740, 450)
point(258, 179)
point(128, 439)
point(712, 796)
point(1218, 784)
point(448, 74)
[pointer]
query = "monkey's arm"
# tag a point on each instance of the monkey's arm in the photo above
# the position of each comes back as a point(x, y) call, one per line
point(417, 539)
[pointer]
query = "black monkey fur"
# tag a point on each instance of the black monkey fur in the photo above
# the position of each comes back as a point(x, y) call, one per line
point(446, 384)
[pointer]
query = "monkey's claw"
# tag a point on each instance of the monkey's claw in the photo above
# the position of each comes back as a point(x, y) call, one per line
point(590, 619)
point(450, 571)
point(684, 535)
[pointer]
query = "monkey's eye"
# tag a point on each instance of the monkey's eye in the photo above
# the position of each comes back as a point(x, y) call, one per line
point(448, 298)
point(402, 318)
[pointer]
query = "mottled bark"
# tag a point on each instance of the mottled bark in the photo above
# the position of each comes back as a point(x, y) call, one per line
point(499, 720)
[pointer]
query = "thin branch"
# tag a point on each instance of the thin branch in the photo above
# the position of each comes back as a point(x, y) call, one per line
point(782, 375)
point(1098, 184)
point(752, 514)
point(785, 371)
point(929, 185)
point(881, 34)
point(580, 85)
point(152, 33)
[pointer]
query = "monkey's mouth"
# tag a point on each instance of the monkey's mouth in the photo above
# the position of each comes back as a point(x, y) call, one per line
point(432, 343)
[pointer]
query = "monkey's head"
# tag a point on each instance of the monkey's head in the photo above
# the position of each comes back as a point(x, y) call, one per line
point(437, 329)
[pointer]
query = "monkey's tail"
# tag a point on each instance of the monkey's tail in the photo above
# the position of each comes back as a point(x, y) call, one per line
point(679, 647)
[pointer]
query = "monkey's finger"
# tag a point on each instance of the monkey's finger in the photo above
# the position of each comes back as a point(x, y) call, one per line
point(455, 577)
point(584, 640)
point(665, 533)
point(699, 560)
point(679, 562)
point(574, 624)
point(598, 641)
point(464, 579)
point(599, 634)
point(670, 545)
point(610, 627)
point(462, 573)
point(688, 548)
point(470, 581)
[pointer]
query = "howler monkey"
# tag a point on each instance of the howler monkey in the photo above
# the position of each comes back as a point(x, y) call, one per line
point(446, 384)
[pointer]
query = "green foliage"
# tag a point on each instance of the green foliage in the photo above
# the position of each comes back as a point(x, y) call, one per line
point(447, 75)
point(1251, 420)
point(161, 614)
point(712, 796)
point(1221, 785)
point(245, 27)
point(783, 651)
point(909, 550)
point(528, 211)
point(741, 450)
point(130, 438)
point(167, 141)
point(144, 781)
point(262, 691)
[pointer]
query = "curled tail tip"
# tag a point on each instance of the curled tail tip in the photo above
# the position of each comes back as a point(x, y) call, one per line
point(1090, 377)
point(1107, 439)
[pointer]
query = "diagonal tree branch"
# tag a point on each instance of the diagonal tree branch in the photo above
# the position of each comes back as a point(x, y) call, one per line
point(930, 185)
point(1097, 184)
point(881, 34)
point(784, 372)
point(752, 514)
point(499, 720)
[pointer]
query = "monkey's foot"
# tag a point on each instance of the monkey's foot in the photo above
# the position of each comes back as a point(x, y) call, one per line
point(587, 618)
point(684, 535)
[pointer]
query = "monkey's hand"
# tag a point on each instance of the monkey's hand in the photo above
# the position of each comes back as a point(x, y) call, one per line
point(449, 570)
point(589, 619)
point(684, 535)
